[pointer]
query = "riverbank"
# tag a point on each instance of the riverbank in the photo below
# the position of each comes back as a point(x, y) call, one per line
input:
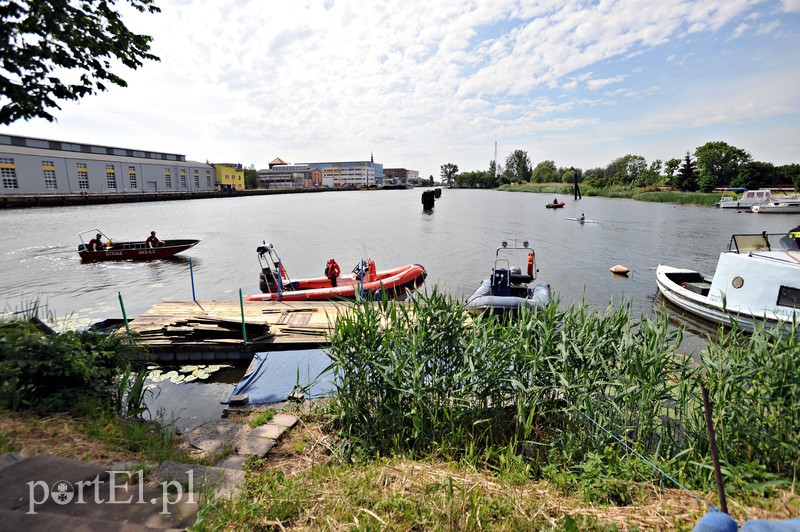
point(432, 425)
point(652, 194)
point(21, 201)
point(302, 483)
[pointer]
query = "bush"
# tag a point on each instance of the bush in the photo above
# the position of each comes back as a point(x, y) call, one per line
point(49, 372)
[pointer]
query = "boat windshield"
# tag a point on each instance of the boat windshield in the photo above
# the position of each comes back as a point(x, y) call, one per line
point(764, 242)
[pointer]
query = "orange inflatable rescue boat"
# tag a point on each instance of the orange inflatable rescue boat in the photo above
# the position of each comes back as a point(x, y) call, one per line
point(364, 281)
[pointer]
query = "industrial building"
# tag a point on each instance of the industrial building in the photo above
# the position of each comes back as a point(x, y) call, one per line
point(400, 176)
point(353, 174)
point(32, 166)
point(281, 175)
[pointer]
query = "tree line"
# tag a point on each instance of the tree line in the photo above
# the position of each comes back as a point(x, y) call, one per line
point(712, 165)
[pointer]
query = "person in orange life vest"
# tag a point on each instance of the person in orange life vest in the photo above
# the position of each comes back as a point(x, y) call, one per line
point(96, 244)
point(371, 271)
point(332, 271)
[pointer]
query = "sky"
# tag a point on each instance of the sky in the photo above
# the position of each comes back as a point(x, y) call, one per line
point(418, 84)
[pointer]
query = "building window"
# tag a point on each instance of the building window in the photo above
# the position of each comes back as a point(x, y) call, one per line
point(196, 179)
point(111, 177)
point(168, 179)
point(83, 176)
point(208, 179)
point(132, 175)
point(8, 172)
point(183, 179)
point(49, 172)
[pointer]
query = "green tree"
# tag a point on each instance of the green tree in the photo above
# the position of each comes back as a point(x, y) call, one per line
point(595, 177)
point(518, 166)
point(791, 174)
point(717, 164)
point(687, 174)
point(627, 170)
point(653, 174)
point(251, 177)
point(670, 167)
point(44, 43)
point(545, 172)
point(448, 173)
point(755, 174)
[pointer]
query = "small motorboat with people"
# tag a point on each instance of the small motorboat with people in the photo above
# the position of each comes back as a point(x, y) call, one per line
point(100, 247)
point(756, 280)
point(365, 280)
point(508, 288)
point(555, 204)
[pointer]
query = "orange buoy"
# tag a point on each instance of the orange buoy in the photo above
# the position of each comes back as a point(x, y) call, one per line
point(619, 269)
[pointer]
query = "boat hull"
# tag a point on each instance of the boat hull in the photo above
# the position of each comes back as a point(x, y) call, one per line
point(135, 251)
point(555, 205)
point(482, 301)
point(394, 282)
point(778, 208)
point(699, 294)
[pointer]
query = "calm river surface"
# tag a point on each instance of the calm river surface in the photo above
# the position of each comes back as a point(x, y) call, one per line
point(456, 243)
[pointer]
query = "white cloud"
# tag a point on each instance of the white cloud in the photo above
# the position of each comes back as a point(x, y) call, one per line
point(595, 84)
point(419, 83)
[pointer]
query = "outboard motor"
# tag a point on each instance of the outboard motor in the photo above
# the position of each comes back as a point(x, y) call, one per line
point(500, 283)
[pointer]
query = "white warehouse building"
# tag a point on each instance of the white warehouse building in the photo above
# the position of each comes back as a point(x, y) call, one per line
point(40, 166)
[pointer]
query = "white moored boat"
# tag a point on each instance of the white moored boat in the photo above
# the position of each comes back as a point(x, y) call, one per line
point(788, 205)
point(757, 280)
point(748, 199)
point(508, 289)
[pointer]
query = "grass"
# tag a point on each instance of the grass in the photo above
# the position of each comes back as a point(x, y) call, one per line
point(442, 420)
point(103, 440)
point(314, 489)
point(636, 193)
point(262, 418)
point(529, 398)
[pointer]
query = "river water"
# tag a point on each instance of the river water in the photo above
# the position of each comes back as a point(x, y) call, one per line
point(456, 243)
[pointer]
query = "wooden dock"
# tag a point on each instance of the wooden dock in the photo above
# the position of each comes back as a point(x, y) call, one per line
point(180, 331)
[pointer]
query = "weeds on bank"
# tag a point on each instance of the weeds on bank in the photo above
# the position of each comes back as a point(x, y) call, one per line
point(531, 397)
point(628, 192)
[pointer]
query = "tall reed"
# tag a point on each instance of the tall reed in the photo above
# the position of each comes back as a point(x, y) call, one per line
point(428, 378)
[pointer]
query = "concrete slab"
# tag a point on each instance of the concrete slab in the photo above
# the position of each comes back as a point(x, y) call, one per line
point(212, 436)
point(9, 459)
point(45, 490)
point(223, 482)
point(19, 479)
point(235, 461)
point(255, 446)
point(284, 420)
point(270, 431)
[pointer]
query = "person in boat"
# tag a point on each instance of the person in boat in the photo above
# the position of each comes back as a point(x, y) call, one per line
point(582, 218)
point(96, 244)
point(153, 241)
point(555, 201)
point(332, 271)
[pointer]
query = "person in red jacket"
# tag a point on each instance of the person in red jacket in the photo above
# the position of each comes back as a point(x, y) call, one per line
point(332, 271)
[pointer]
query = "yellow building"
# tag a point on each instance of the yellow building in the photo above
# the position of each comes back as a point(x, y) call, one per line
point(229, 176)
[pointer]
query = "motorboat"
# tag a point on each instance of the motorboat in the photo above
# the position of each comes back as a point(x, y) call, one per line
point(555, 205)
point(365, 281)
point(788, 205)
point(508, 289)
point(756, 280)
point(748, 199)
point(136, 250)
